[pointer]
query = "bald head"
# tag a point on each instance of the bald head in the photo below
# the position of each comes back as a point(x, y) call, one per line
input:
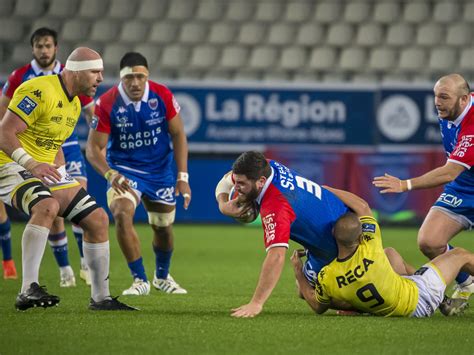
point(81, 54)
point(347, 230)
point(455, 83)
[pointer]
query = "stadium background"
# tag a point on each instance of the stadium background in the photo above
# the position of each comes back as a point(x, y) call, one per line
point(338, 90)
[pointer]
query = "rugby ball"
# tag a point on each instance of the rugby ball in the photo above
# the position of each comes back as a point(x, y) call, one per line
point(251, 214)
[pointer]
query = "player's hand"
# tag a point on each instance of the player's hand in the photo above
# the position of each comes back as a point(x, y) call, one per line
point(48, 174)
point(120, 183)
point(388, 184)
point(183, 188)
point(296, 259)
point(249, 310)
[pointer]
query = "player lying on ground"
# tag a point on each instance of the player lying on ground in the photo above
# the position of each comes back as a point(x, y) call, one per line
point(362, 276)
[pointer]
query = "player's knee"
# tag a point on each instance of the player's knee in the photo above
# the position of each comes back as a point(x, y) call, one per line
point(46, 209)
point(122, 212)
point(96, 223)
point(430, 248)
point(160, 221)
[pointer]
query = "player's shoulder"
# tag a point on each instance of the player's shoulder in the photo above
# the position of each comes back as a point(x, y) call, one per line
point(158, 88)
point(19, 72)
point(109, 96)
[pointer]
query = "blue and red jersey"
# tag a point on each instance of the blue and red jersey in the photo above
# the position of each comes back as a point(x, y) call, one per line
point(138, 131)
point(33, 70)
point(458, 141)
point(293, 207)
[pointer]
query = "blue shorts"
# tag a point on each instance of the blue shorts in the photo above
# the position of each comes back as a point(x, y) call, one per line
point(458, 204)
point(75, 163)
point(312, 266)
point(156, 187)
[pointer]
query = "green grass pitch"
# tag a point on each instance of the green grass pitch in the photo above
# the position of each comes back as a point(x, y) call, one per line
point(219, 265)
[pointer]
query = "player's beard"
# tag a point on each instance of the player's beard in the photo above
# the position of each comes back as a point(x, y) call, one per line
point(43, 62)
point(252, 194)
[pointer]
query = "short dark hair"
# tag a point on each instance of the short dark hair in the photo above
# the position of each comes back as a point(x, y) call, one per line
point(44, 32)
point(252, 164)
point(131, 59)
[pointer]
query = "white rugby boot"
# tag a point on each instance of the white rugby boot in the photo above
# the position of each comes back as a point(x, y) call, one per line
point(168, 285)
point(138, 288)
point(66, 277)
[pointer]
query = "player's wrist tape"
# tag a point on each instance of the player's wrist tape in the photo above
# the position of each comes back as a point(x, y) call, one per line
point(409, 186)
point(224, 186)
point(20, 156)
point(183, 176)
point(110, 175)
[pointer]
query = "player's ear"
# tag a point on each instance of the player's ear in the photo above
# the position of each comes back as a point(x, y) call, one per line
point(261, 182)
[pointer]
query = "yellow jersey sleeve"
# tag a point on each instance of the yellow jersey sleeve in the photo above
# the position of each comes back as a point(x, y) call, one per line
point(321, 293)
point(28, 102)
point(49, 113)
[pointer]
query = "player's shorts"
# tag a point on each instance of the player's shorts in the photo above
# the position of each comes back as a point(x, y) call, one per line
point(458, 204)
point(431, 286)
point(312, 266)
point(75, 163)
point(157, 188)
point(13, 176)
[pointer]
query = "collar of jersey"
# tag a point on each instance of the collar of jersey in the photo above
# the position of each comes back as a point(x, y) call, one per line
point(349, 256)
point(127, 100)
point(265, 187)
point(38, 70)
point(458, 120)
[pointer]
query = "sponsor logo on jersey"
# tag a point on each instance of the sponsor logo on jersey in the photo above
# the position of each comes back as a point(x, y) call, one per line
point(47, 144)
point(60, 104)
point(155, 119)
point(25, 175)
point(463, 146)
point(166, 194)
point(450, 200)
point(269, 225)
point(368, 227)
point(352, 275)
point(27, 105)
point(70, 122)
point(153, 103)
point(56, 119)
point(176, 106)
point(123, 123)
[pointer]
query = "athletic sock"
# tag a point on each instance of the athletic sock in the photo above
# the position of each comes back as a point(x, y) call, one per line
point(462, 276)
point(97, 256)
point(33, 244)
point(137, 269)
point(5, 240)
point(78, 234)
point(58, 243)
point(163, 261)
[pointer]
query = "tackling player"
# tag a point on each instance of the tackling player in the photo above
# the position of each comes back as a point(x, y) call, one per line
point(42, 113)
point(134, 125)
point(453, 212)
point(291, 207)
point(362, 274)
point(44, 44)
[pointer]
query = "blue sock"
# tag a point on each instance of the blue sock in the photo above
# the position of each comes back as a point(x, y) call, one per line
point(137, 269)
point(5, 240)
point(163, 261)
point(462, 276)
point(78, 234)
point(58, 243)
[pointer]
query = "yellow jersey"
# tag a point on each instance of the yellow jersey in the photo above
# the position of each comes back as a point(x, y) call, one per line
point(50, 114)
point(366, 279)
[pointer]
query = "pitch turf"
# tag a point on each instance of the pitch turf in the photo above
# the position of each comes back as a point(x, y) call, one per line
point(219, 266)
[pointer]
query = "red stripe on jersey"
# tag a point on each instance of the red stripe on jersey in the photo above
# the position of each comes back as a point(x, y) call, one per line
point(167, 97)
point(103, 108)
point(16, 79)
point(277, 216)
point(464, 150)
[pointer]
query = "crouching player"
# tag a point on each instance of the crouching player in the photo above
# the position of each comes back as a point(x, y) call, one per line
point(362, 274)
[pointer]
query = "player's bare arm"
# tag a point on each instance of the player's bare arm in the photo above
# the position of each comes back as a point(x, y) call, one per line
point(12, 125)
point(95, 153)
point(180, 146)
point(436, 177)
point(354, 202)
point(234, 208)
point(4, 101)
point(269, 276)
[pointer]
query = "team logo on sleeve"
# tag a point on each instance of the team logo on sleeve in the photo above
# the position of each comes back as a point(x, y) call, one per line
point(269, 224)
point(27, 105)
point(94, 122)
point(176, 106)
point(368, 227)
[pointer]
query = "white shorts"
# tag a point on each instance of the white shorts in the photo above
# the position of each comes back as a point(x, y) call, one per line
point(13, 176)
point(431, 286)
